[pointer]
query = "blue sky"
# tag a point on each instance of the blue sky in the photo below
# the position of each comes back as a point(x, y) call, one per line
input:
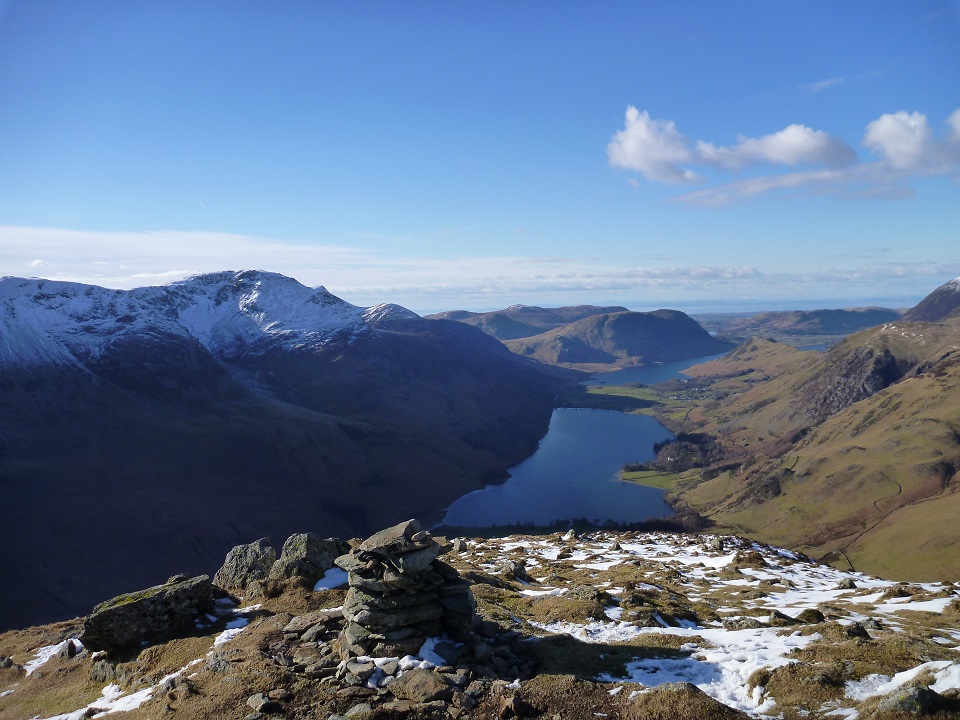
point(698, 155)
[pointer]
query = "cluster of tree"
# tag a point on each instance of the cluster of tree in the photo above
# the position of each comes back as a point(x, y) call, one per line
point(684, 452)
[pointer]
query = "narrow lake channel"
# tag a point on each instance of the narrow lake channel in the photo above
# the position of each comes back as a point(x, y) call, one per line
point(574, 474)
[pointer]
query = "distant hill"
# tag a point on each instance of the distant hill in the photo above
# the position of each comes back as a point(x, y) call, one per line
point(621, 338)
point(164, 424)
point(520, 321)
point(942, 303)
point(802, 324)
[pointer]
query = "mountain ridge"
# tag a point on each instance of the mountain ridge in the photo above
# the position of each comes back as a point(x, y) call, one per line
point(941, 304)
point(621, 338)
point(205, 414)
point(520, 321)
point(226, 312)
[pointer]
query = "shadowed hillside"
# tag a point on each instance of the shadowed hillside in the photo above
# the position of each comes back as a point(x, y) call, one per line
point(155, 444)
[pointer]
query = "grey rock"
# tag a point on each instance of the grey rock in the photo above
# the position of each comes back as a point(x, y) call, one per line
point(412, 563)
point(847, 584)
point(397, 539)
point(379, 584)
point(218, 663)
point(152, 615)
point(361, 670)
point(743, 623)
point(779, 619)
point(246, 563)
point(448, 651)
point(103, 672)
point(400, 633)
point(811, 616)
point(314, 633)
point(304, 622)
point(69, 649)
point(308, 556)
point(856, 630)
point(447, 572)
point(383, 620)
point(261, 703)
point(915, 699)
point(359, 599)
point(421, 686)
point(514, 570)
point(482, 651)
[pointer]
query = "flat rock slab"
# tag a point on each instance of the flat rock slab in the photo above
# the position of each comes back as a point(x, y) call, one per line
point(420, 685)
point(397, 539)
point(152, 615)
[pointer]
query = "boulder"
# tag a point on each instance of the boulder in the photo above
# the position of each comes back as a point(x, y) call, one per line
point(421, 686)
point(245, 564)
point(308, 556)
point(153, 615)
point(913, 699)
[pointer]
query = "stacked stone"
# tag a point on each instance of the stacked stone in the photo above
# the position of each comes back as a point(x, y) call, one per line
point(401, 593)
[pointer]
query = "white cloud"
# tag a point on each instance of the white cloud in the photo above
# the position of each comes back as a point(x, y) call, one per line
point(902, 140)
point(652, 147)
point(953, 122)
point(794, 145)
point(904, 144)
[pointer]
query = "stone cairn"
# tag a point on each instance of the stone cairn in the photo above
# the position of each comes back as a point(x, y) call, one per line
point(401, 593)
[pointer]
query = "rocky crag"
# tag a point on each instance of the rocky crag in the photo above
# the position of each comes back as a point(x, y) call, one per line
point(619, 625)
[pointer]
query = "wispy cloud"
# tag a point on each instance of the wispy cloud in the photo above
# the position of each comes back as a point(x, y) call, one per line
point(821, 85)
point(904, 144)
point(366, 276)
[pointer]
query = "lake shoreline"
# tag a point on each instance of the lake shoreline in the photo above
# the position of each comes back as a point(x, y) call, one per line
point(572, 480)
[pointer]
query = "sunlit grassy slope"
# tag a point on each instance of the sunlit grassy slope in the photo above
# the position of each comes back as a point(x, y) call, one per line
point(829, 461)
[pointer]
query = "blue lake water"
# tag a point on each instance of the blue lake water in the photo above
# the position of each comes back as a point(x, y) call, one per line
point(649, 374)
point(574, 473)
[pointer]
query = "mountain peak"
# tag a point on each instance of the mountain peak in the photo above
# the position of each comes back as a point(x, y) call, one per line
point(66, 322)
point(942, 303)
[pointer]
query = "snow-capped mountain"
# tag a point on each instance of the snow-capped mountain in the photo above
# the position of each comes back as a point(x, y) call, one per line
point(942, 303)
point(168, 417)
point(226, 312)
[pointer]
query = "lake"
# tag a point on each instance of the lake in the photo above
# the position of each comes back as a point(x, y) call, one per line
point(574, 474)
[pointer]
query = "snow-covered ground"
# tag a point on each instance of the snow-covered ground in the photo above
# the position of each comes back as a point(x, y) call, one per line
point(721, 661)
point(739, 581)
point(64, 322)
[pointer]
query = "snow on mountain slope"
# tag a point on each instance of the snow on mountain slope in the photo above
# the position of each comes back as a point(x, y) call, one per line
point(46, 321)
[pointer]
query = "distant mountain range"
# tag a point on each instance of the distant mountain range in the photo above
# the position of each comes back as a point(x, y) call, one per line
point(520, 321)
point(145, 432)
point(592, 337)
point(800, 323)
